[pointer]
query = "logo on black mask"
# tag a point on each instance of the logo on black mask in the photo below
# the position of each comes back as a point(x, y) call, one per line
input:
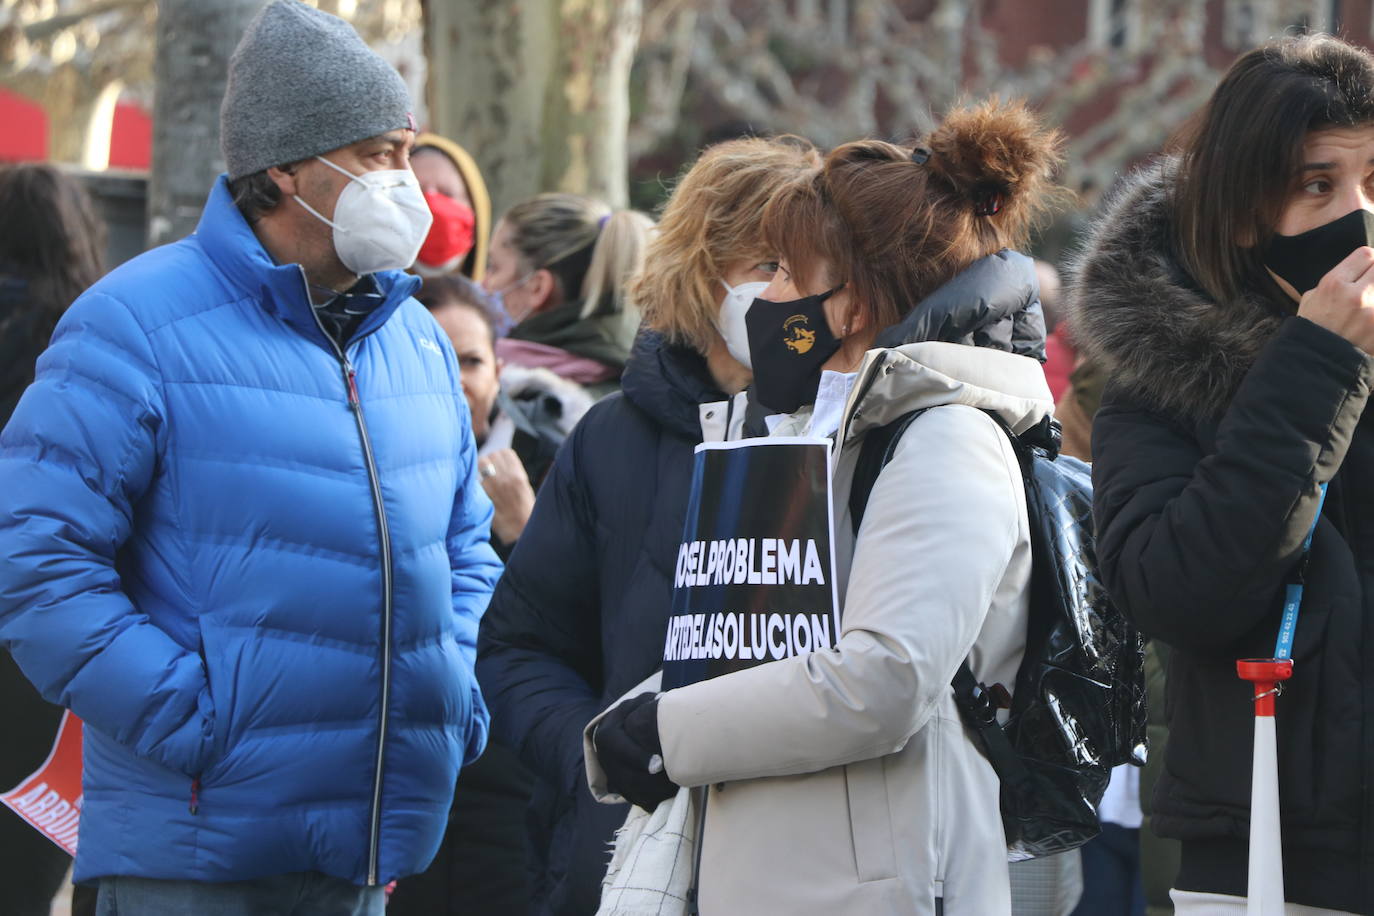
point(797, 337)
point(787, 366)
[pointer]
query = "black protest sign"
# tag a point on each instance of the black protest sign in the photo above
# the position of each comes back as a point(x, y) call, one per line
point(755, 574)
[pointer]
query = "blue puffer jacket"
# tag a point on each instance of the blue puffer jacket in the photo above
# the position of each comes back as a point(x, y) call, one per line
point(273, 678)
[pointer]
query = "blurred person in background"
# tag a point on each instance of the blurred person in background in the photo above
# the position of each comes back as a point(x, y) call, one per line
point(579, 617)
point(1113, 880)
point(560, 264)
point(51, 249)
point(482, 864)
point(1227, 293)
point(453, 185)
point(241, 534)
point(520, 416)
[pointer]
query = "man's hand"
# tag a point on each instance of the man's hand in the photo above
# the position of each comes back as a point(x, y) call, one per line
point(1343, 302)
point(508, 487)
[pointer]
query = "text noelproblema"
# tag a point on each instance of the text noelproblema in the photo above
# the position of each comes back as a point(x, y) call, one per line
point(752, 561)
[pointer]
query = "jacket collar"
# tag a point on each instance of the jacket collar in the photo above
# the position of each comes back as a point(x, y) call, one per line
point(1133, 308)
point(895, 381)
point(607, 339)
point(229, 242)
point(994, 302)
point(669, 382)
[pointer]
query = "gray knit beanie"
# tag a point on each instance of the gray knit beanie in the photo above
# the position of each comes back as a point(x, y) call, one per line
point(302, 83)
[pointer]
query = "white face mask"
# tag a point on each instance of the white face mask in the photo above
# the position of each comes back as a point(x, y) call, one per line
point(380, 221)
point(731, 321)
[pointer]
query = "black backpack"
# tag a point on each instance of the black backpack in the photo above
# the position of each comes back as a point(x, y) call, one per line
point(1078, 705)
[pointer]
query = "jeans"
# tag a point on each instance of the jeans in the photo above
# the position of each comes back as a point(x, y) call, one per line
point(1111, 874)
point(300, 894)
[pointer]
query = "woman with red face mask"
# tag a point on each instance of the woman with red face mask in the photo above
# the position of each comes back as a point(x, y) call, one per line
point(457, 196)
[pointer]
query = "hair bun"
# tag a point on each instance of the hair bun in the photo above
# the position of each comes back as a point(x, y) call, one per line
point(993, 149)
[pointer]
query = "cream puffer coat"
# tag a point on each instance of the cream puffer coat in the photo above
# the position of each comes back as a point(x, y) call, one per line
point(844, 781)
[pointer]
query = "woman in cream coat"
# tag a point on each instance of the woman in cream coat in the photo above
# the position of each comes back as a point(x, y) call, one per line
point(844, 781)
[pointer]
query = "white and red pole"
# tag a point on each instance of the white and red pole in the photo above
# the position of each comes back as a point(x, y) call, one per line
point(1265, 895)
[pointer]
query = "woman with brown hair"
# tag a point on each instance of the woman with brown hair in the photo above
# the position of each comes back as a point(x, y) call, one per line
point(51, 248)
point(579, 616)
point(1229, 296)
point(843, 780)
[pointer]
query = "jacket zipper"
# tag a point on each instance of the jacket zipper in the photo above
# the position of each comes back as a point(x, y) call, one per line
point(350, 377)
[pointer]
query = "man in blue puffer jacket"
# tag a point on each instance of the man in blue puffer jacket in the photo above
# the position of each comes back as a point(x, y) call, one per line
point(240, 532)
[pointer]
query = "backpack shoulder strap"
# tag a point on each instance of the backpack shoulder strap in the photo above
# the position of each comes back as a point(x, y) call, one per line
point(977, 705)
point(880, 443)
point(876, 452)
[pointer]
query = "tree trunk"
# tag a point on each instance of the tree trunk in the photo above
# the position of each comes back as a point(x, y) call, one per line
point(194, 41)
point(587, 108)
point(538, 91)
point(80, 113)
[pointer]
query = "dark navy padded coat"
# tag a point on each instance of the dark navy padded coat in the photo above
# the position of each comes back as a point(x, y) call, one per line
point(191, 559)
point(579, 615)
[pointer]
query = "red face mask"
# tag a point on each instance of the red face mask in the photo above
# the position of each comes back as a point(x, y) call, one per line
point(450, 236)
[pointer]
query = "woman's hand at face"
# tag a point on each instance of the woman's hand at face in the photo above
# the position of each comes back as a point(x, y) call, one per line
point(508, 487)
point(1343, 302)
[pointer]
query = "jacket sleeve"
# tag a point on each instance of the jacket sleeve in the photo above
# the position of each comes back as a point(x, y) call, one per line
point(942, 523)
point(539, 648)
point(1195, 547)
point(80, 451)
point(475, 570)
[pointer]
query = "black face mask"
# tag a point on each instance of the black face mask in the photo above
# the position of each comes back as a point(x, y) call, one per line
point(1305, 258)
point(788, 342)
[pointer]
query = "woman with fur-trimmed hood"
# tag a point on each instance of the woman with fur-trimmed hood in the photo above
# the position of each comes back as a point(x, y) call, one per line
point(844, 781)
point(1229, 293)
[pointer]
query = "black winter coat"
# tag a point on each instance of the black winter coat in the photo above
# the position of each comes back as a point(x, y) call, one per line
point(32, 868)
point(1218, 425)
point(579, 616)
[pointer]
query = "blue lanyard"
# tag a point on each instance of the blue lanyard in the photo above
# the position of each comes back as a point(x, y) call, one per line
point(1293, 597)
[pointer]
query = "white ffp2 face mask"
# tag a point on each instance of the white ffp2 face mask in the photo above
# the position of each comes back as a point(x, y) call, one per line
point(731, 321)
point(380, 220)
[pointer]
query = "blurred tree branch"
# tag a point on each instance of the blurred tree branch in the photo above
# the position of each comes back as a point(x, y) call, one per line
point(835, 70)
point(75, 57)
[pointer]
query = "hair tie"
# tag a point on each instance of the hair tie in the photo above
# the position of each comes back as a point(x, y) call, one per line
point(987, 200)
point(920, 156)
point(601, 223)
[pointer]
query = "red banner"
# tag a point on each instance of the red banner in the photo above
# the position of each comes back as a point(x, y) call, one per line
point(50, 799)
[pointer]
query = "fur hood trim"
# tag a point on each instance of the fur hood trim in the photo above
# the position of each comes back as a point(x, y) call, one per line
point(522, 384)
point(1133, 308)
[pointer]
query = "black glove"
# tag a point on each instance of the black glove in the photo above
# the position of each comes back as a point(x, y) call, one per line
point(627, 745)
